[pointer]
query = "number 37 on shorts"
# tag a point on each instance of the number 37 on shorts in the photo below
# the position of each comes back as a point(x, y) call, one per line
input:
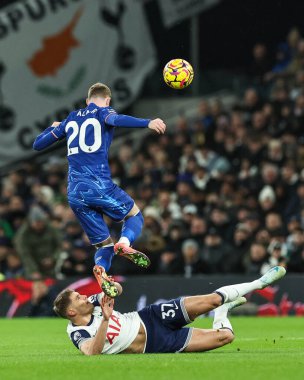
point(168, 310)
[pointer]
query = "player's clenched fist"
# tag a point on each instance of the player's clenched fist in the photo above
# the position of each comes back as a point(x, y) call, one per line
point(157, 125)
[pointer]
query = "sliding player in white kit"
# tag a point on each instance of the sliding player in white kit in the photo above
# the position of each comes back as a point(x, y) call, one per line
point(95, 328)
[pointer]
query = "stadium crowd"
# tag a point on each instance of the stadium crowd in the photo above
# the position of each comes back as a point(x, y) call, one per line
point(221, 193)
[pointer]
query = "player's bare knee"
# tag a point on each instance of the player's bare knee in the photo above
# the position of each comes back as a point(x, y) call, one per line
point(216, 300)
point(227, 336)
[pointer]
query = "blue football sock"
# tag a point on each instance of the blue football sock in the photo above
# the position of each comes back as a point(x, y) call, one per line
point(132, 227)
point(103, 256)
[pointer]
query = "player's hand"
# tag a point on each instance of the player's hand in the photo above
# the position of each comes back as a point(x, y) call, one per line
point(56, 123)
point(107, 304)
point(157, 125)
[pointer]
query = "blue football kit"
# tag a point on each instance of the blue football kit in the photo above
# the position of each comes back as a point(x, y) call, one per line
point(91, 191)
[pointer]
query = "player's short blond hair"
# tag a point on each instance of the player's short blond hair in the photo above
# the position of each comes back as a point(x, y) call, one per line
point(62, 303)
point(99, 90)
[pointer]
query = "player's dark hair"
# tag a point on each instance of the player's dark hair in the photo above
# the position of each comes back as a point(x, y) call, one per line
point(62, 302)
point(99, 90)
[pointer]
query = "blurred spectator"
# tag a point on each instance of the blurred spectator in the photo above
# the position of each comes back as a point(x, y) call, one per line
point(252, 223)
point(263, 237)
point(191, 263)
point(220, 221)
point(183, 191)
point(189, 213)
point(298, 87)
point(277, 256)
point(167, 203)
point(38, 245)
point(275, 153)
point(204, 115)
point(44, 195)
point(293, 224)
point(152, 238)
point(169, 263)
point(72, 233)
point(267, 199)
point(79, 262)
point(274, 223)
point(15, 211)
point(297, 62)
point(232, 261)
point(261, 63)
point(14, 268)
point(201, 178)
point(251, 103)
point(254, 260)
point(214, 251)
point(295, 246)
point(175, 237)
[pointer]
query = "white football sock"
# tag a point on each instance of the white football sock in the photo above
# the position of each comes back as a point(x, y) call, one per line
point(220, 320)
point(232, 292)
point(222, 324)
point(124, 240)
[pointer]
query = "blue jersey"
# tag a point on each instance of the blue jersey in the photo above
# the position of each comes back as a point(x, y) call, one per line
point(89, 133)
point(91, 192)
point(88, 138)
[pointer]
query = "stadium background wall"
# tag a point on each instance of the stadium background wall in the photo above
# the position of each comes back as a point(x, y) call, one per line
point(284, 298)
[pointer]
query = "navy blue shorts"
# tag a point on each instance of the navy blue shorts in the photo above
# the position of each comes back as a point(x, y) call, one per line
point(164, 325)
point(90, 200)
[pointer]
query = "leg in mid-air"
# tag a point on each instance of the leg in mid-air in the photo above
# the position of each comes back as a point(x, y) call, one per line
point(103, 259)
point(131, 229)
point(222, 301)
point(119, 206)
point(197, 305)
point(98, 233)
point(232, 292)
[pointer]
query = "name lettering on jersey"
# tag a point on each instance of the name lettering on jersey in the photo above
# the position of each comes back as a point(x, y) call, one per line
point(84, 113)
point(113, 329)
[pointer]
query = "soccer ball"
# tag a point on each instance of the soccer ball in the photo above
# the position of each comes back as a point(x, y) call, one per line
point(178, 73)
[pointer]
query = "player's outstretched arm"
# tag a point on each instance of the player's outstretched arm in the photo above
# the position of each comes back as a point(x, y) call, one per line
point(48, 137)
point(157, 125)
point(125, 121)
point(95, 345)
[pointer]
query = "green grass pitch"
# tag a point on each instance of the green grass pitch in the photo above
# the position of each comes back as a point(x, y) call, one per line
point(264, 348)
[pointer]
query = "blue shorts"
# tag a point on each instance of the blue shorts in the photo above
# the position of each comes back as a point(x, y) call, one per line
point(90, 200)
point(164, 325)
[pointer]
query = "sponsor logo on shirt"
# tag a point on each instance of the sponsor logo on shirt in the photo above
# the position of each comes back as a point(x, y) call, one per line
point(113, 329)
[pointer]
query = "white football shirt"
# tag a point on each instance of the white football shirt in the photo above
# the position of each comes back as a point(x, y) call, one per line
point(121, 332)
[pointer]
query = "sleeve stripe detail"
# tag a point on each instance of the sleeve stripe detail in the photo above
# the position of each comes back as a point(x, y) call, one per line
point(54, 135)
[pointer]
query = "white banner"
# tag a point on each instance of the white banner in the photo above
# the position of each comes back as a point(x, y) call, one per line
point(51, 51)
point(174, 11)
